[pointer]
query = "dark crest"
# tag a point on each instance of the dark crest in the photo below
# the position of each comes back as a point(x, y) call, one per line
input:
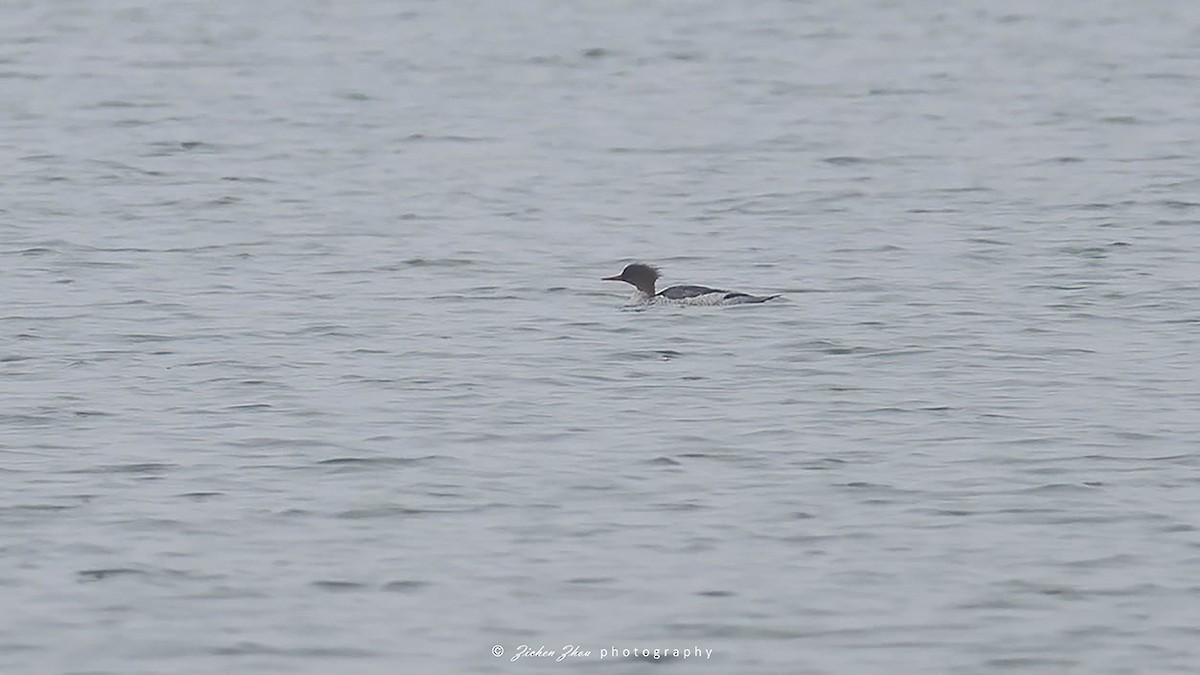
point(640, 275)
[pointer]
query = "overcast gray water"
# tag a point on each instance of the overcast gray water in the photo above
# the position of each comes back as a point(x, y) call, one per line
point(307, 366)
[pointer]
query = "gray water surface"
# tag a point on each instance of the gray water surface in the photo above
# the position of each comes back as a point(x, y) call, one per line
point(307, 366)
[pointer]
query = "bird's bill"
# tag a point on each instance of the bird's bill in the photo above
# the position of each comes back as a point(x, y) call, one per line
point(616, 278)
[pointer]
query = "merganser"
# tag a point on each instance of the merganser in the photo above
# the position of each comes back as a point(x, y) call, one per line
point(642, 277)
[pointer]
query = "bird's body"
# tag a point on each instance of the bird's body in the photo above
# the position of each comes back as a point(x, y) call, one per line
point(643, 277)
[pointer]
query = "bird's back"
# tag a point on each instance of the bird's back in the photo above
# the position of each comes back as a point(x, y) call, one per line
point(703, 295)
point(685, 292)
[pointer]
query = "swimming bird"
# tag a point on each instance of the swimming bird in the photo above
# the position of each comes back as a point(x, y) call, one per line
point(643, 277)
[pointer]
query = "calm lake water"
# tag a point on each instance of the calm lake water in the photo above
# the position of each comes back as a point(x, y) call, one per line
point(307, 366)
